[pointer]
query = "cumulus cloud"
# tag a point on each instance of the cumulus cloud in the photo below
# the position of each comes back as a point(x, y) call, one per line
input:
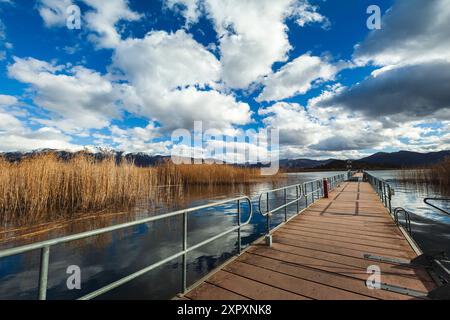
point(16, 136)
point(252, 37)
point(405, 93)
point(104, 18)
point(101, 20)
point(7, 100)
point(171, 77)
point(296, 77)
point(252, 34)
point(304, 13)
point(53, 12)
point(305, 131)
point(412, 83)
point(189, 9)
point(413, 31)
point(136, 139)
point(77, 98)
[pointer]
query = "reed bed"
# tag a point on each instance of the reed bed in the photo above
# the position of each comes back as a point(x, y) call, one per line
point(205, 174)
point(436, 176)
point(45, 188)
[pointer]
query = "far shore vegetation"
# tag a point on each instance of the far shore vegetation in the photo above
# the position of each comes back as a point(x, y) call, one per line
point(436, 176)
point(45, 187)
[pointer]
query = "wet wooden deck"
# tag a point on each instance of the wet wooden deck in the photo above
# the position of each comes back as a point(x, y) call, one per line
point(319, 254)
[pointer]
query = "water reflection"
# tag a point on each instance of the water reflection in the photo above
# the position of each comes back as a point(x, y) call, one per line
point(107, 258)
point(430, 228)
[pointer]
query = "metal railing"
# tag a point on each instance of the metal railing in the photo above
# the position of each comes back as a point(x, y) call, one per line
point(407, 215)
point(382, 188)
point(427, 201)
point(45, 246)
point(313, 189)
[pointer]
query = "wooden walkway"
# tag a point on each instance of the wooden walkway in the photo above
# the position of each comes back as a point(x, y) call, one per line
point(319, 254)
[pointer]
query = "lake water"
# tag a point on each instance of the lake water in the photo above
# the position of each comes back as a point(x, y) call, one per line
point(107, 258)
point(430, 228)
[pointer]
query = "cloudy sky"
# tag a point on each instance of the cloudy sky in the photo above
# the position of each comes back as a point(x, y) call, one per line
point(137, 70)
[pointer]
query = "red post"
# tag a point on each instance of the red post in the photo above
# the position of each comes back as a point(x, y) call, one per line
point(325, 187)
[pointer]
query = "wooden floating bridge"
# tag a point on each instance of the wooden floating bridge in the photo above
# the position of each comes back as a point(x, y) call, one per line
point(325, 253)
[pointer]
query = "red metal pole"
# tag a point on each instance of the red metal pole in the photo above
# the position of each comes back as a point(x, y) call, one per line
point(325, 187)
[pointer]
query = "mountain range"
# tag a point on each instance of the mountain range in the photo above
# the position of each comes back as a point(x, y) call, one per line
point(381, 160)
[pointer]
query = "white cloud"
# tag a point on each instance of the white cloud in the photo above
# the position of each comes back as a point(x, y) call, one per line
point(7, 100)
point(296, 77)
point(136, 139)
point(412, 32)
point(78, 98)
point(318, 134)
point(305, 14)
point(101, 20)
point(252, 37)
point(189, 9)
point(252, 34)
point(53, 12)
point(104, 18)
point(15, 136)
point(166, 74)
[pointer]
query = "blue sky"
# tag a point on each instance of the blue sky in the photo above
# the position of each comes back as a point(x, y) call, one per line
point(138, 70)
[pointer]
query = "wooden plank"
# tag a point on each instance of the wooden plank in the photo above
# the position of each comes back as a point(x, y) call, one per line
point(394, 245)
point(292, 284)
point(250, 288)
point(320, 276)
point(338, 259)
point(364, 248)
point(348, 234)
point(357, 231)
point(208, 291)
point(357, 272)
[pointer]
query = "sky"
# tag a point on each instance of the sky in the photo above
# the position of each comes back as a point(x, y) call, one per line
point(136, 71)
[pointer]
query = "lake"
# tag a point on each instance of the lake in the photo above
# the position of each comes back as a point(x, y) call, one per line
point(107, 258)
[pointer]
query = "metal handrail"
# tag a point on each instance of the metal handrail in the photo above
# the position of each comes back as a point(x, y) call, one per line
point(382, 188)
point(407, 218)
point(301, 191)
point(427, 201)
point(46, 245)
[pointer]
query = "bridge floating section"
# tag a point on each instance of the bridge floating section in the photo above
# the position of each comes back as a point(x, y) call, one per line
point(334, 249)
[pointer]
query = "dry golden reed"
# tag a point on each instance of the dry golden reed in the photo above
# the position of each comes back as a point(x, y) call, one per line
point(437, 176)
point(205, 174)
point(45, 188)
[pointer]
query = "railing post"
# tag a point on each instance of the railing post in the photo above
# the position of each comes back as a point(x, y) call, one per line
point(185, 231)
point(43, 273)
point(305, 190)
point(239, 224)
point(325, 188)
point(285, 205)
point(390, 203)
point(298, 197)
point(268, 235)
point(318, 189)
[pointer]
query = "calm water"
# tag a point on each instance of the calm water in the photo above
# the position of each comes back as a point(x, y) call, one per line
point(430, 228)
point(107, 258)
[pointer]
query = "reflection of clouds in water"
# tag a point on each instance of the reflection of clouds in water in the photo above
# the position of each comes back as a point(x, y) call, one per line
point(430, 229)
point(108, 258)
point(410, 196)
